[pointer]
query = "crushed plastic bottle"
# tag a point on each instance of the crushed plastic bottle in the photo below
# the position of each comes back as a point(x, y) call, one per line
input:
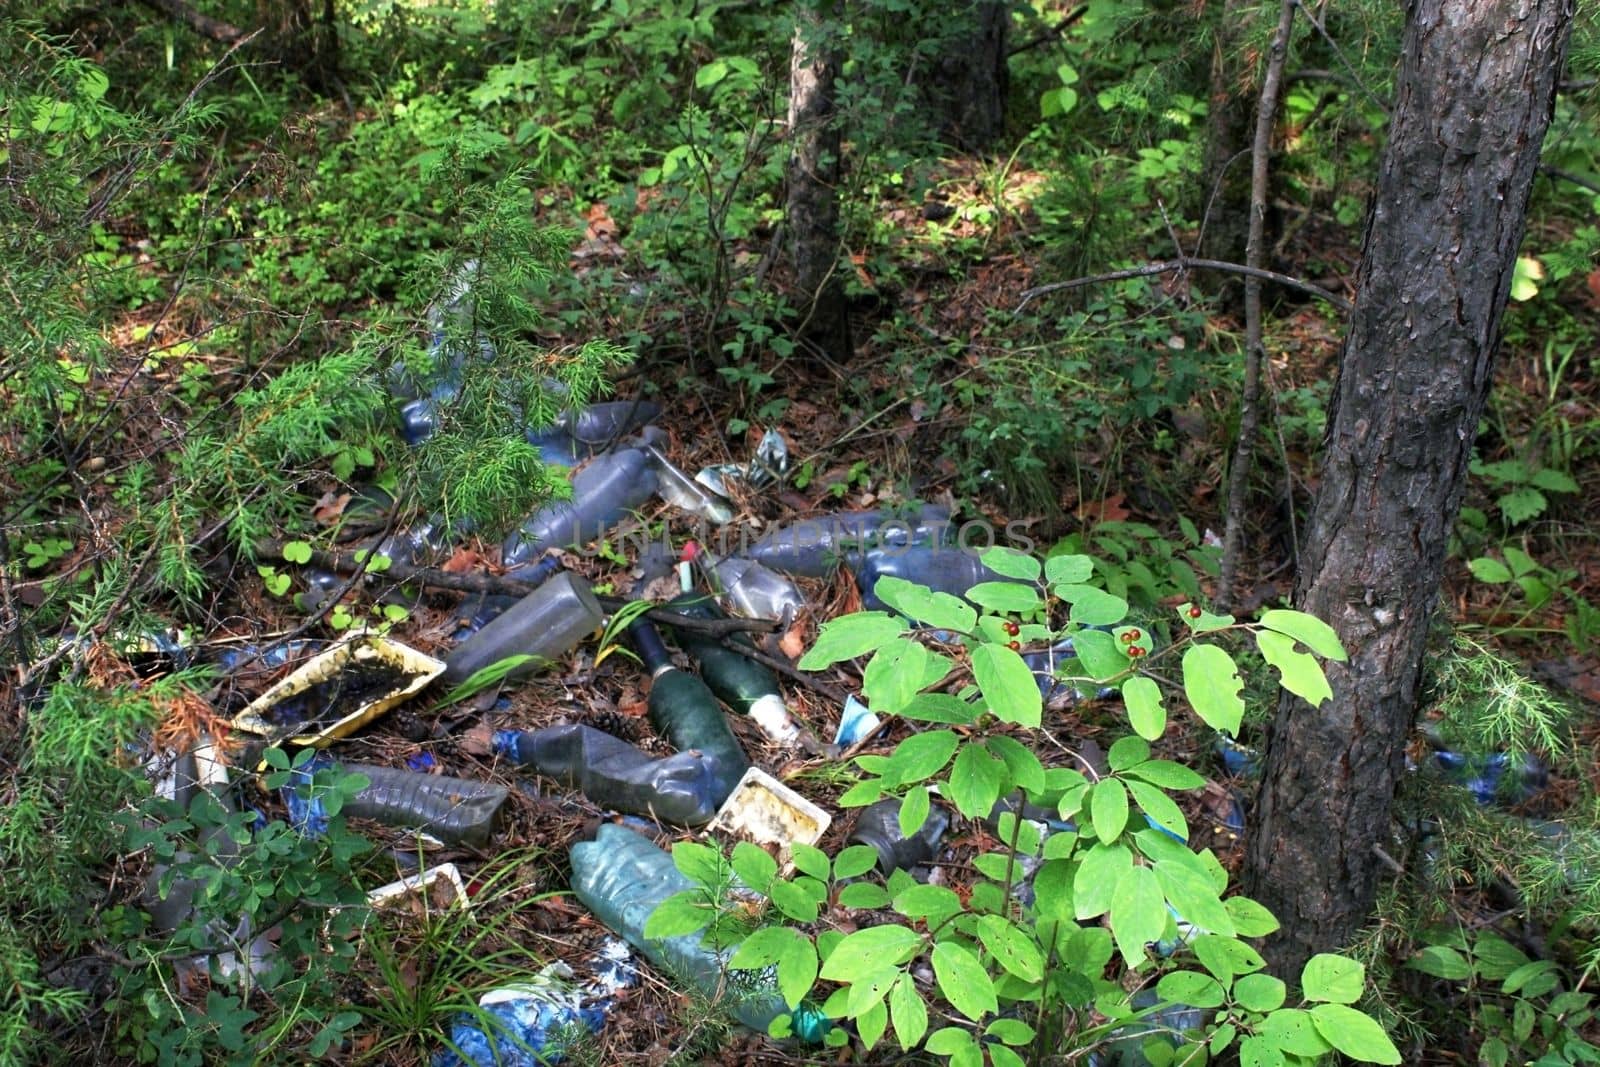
point(682, 491)
point(546, 624)
point(753, 591)
point(681, 789)
point(737, 680)
point(879, 826)
point(814, 548)
point(536, 1021)
point(603, 494)
point(1500, 778)
point(622, 878)
point(576, 436)
point(451, 810)
point(685, 711)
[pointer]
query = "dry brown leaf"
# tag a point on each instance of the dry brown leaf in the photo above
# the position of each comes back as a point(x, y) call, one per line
point(329, 507)
point(463, 561)
point(793, 643)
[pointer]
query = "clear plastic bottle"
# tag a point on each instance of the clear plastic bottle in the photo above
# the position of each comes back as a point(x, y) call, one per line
point(814, 548)
point(942, 568)
point(622, 878)
point(546, 624)
point(452, 810)
point(603, 493)
point(682, 789)
point(684, 710)
point(754, 591)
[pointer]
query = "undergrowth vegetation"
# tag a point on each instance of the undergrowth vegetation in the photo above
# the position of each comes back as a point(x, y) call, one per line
point(238, 273)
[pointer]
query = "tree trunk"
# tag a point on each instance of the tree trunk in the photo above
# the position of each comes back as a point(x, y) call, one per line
point(970, 77)
point(1225, 189)
point(1474, 97)
point(813, 178)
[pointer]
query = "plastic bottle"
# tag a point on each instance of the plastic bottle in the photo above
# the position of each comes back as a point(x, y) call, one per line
point(684, 710)
point(684, 789)
point(754, 591)
point(603, 493)
point(546, 624)
point(622, 878)
point(603, 425)
point(682, 491)
point(879, 826)
point(813, 548)
point(942, 568)
point(737, 680)
point(452, 810)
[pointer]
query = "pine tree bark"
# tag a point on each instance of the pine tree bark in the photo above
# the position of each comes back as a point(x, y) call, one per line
point(970, 75)
point(1474, 97)
point(813, 178)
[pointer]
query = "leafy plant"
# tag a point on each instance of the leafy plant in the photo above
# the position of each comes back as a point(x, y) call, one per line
point(1008, 974)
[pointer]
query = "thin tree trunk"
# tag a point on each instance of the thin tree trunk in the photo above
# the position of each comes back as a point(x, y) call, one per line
point(1225, 192)
point(1250, 398)
point(1475, 94)
point(813, 179)
point(970, 77)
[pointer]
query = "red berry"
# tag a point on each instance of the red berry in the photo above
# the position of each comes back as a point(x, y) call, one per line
point(1012, 628)
point(1130, 636)
point(1134, 651)
point(1195, 612)
point(1015, 646)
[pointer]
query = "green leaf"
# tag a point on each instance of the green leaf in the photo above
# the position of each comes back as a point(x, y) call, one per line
point(1226, 957)
point(1127, 752)
point(898, 671)
point(680, 914)
point(1099, 655)
point(1142, 697)
point(1249, 918)
point(1521, 504)
point(1022, 763)
point(951, 1041)
point(941, 611)
point(1442, 962)
point(868, 952)
point(1166, 774)
point(1294, 1032)
point(850, 636)
point(1354, 1033)
point(1006, 597)
point(1333, 978)
point(963, 981)
point(920, 756)
point(863, 895)
point(793, 900)
point(1007, 684)
point(297, 552)
point(1211, 682)
point(1108, 809)
point(809, 859)
point(1194, 898)
point(914, 808)
point(1011, 563)
point(1013, 949)
point(1068, 570)
point(754, 865)
point(1489, 569)
point(1011, 1031)
point(1092, 606)
point(1205, 622)
point(1138, 913)
point(1190, 987)
point(871, 1023)
point(1521, 980)
point(1095, 884)
point(940, 707)
point(1160, 807)
point(855, 861)
point(1554, 481)
point(974, 782)
point(907, 1011)
point(1258, 1050)
point(1300, 673)
point(1309, 630)
point(1260, 992)
point(927, 901)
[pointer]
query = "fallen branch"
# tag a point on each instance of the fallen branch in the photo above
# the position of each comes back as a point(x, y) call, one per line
point(494, 585)
point(1189, 263)
point(200, 23)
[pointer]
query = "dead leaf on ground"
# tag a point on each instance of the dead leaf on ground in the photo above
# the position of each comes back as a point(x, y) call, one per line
point(1112, 509)
point(464, 560)
point(329, 508)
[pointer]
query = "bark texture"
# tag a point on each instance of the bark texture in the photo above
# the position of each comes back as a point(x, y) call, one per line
point(1475, 93)
point(813, 180)
point(970, 77)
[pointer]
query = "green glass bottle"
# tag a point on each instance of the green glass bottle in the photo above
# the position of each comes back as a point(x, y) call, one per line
point(738, 681)
point(684, 710)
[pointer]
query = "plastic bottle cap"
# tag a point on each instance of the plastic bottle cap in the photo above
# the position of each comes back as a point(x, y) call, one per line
point(772, 716)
